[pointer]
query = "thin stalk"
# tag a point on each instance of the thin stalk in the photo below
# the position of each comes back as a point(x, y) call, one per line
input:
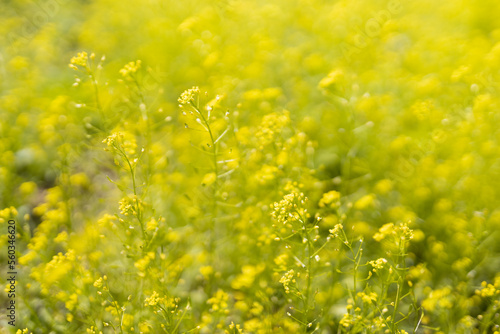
point(400, 283)
point(96, 95)
point(213, 145)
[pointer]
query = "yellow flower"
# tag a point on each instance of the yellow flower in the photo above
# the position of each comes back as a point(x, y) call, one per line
point(271, 126)
point(92, 330)
point(24, 331)
point(61, 237)
point(487, 290)
point(98, 283)
point(384, 186)
point(347, 320)
point(122, 141)
point(131, 68)
point(287, 279)
point(7, 214)
point(80, 59)
point(378, 264)
point(333, 79)
point(152, 225)
point(72, 302)
point(219, 301)
point(27, 188)
point(208, 179)
point(330, 199)
point(401, 231)
point(234, 328)
point(267, 174)
point(113, 139)
point(291, 208)
point(438, 298)
point(336, 230)
point(365, 202)
point(153, 299)
point(189, 95)
point(207, 271)
point(368, 297)
point(130, 205)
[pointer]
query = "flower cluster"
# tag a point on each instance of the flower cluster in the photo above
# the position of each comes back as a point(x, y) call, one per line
point(93, 330)
point(153, 300)
point(488, 290)
point(219, 301)
point(378, 264)
point(122, 141)
point(101, 284)
point(291, 208)
point(336, 230)
point(130, 69)
point(368, 298)
point(189, 95)
point(81, 59)
point(402, 231)
point(288, 280)
point(7, 214)
point(235, 328)
point(330, 199)
point(130, 206)
point(271, 126)
point(114, 139)
point(24, 331)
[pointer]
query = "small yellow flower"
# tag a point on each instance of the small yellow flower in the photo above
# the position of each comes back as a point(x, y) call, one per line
point(24, 331)
point(129, 206)
point(336, 230)
point(152, 300)
point(131, 68)
point(487, 290)
point(206, 271)
point(209, 179)
point(334, 78)
point(98, 283)
point(330, 199)
point(218, 301)
point(291, 208)
point(287, 279)
point(368, 297)
point(271, 126)
point(189, 95)
point(365, 202)
point(152, 225)
point(378, 264)
point(81, 59)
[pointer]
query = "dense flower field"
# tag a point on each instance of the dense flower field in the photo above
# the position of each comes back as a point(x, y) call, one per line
point(235, 166)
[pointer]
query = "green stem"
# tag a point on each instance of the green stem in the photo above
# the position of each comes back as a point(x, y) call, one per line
point(134, 186)
point(308, 273)
point(216, 170)
point(400, 283)
point(96, 94)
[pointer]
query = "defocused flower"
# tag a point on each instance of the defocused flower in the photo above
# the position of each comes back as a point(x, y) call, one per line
point(131, 68)
point(81, 59)
point(189, 95)
point(330, 199)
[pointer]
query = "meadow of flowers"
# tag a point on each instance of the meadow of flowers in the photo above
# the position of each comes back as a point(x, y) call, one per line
point(235, 166)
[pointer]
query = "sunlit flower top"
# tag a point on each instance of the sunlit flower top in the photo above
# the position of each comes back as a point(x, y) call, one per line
point(80, 59)
point(130, 68)
point(188, 95)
